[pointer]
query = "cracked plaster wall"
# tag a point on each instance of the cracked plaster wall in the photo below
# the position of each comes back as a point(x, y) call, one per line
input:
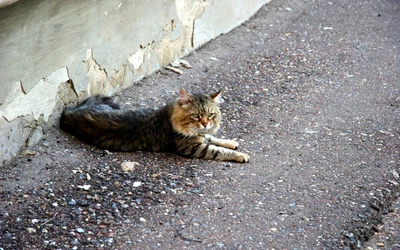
point(56, 52)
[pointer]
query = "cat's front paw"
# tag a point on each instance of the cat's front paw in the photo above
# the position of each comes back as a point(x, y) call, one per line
point(242, 157)
point(231, 144)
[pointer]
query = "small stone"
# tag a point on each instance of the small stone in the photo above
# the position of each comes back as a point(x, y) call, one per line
point(142, 219)
point(83, 203)
point(194, 191)
point(175, 64)
point(80, 230)
point(178, 71)
point(109, 240)
point(129, 166)
point(74, 242)
point(28, 152)
point(380, 244)
point(220, 245)
point(31, 230)
point(34, 221)
point(395, 174)
point(137, 184)
point(72, 202)
point(84, 187)
point(185, 63)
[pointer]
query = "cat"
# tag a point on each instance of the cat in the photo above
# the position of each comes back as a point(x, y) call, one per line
point(184, 126)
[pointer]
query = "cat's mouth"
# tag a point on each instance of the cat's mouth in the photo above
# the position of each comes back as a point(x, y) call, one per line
point(207, 130)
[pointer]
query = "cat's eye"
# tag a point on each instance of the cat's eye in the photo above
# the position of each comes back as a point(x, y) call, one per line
point(210, 115)
point(195, 116)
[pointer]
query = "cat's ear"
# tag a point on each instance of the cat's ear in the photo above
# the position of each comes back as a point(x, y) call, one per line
point(184, 97)
point(217, 97)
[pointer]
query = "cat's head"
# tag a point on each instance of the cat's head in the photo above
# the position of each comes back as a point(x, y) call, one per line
point(196, 114)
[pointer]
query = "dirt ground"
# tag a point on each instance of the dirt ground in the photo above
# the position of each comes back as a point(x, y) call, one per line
point(312, 93)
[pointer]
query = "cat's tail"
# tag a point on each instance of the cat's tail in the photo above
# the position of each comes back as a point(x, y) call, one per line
point(100, 103)
point(73, 118)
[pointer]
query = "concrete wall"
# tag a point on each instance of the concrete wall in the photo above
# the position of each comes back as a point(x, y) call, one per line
point(55, 52)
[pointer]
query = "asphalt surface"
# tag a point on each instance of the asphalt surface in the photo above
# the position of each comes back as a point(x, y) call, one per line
point(311, 92)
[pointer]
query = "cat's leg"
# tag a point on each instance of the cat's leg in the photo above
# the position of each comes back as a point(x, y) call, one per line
point(212, 152)
point(231, 144)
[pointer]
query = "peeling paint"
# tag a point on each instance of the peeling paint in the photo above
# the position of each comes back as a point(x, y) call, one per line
point(137, 58)
point(173, 46)
point(39, 101)
point(97, 83)
point(118, 77)
point(141, 55)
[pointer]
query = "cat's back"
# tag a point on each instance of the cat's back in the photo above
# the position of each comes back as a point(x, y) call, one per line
point(101, 122)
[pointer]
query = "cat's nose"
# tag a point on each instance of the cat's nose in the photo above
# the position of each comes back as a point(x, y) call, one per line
point(205, 125)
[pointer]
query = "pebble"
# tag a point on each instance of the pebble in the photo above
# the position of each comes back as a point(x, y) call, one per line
point(142, 219)
point(72, 202)
point(194, 191)
point(129, 165)
point(31, 230)
point(219, 244)
point(185, 63)
point(84, 187)
point(74, 242)
point(175, 64)
point(80, 230)
point(395, 174)
point(28, 152)
point(137, 184)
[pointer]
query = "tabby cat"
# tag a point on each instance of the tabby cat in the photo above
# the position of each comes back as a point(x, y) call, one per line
point(184, 126)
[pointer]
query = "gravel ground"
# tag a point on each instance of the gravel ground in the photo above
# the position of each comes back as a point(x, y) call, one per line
point(311, 92)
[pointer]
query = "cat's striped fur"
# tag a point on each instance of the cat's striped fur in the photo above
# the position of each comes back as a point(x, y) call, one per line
point(184, 126)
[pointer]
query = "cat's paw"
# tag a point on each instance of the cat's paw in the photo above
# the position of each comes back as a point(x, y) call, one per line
point(242, 157)
point(231, 144)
